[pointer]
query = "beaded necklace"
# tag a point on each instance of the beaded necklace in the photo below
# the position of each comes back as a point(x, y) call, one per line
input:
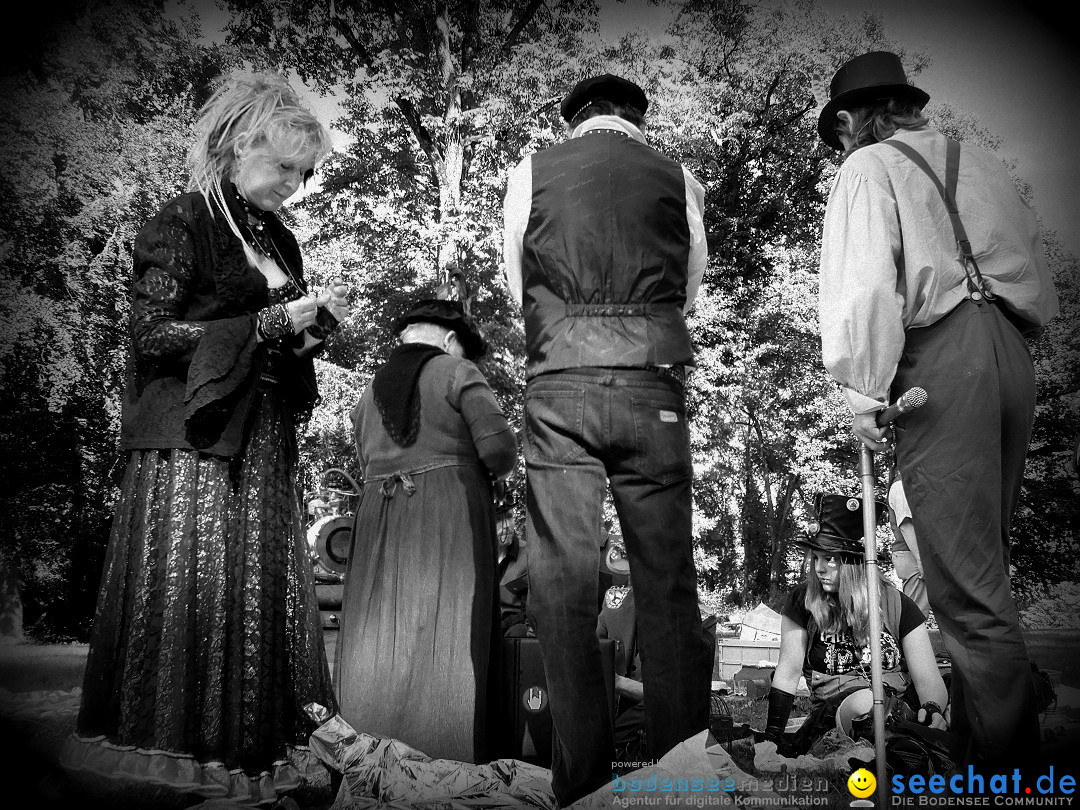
point(255, 220)
point(260, 239)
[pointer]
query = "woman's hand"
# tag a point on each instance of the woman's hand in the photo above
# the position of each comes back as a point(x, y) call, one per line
point(333, 308)
point(333, 298)
point(302, 312)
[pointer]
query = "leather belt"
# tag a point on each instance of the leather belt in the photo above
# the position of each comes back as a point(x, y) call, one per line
point(676, 374)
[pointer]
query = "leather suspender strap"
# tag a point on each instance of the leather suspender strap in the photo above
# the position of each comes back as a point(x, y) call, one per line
point(952, 172)
point(976, 285)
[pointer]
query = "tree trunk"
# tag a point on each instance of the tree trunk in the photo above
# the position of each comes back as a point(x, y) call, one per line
point(11, 610)
point(777, 570)
point(452, 154)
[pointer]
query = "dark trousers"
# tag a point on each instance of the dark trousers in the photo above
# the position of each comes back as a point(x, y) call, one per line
point(626, 428)
point(961, 458)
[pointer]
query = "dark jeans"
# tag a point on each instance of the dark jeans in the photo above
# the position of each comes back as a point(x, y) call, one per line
point(627, 428)
point(961, 457)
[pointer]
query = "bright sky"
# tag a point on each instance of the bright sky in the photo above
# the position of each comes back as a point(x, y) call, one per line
point(1014, 65)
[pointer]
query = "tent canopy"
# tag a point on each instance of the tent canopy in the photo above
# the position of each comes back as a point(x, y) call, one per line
point(760, 624)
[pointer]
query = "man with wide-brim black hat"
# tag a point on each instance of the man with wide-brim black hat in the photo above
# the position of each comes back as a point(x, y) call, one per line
point(605, 250)
point(901, 306)
point(414, 650)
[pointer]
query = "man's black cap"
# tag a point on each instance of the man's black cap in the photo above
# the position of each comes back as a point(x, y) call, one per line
point(615, 89)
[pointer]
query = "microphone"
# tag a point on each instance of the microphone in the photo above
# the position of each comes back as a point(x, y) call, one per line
point(909, 400)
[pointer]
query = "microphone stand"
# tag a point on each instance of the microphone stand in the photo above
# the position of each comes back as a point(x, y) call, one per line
point(873, 585)
point(908, 401)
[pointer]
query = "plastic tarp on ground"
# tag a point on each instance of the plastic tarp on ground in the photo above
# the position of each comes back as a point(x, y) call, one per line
point(386, 773)
point(697, 772)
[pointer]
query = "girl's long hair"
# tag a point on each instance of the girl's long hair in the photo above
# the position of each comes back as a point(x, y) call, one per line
point(250, 111)
point(879, 121)
point(848, 608)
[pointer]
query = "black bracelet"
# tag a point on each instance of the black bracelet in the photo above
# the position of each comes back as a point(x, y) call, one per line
point(274, 322)
point(931, 708)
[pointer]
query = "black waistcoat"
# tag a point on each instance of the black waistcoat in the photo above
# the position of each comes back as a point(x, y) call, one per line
point(604, 257)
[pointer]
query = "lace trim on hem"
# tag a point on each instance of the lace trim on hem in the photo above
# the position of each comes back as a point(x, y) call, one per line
point(185, 774)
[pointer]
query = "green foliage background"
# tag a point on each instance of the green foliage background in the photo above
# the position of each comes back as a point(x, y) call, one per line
point(439, 101)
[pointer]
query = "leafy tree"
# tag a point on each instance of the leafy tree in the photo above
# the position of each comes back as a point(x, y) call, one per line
point(738, 105)
point(734, 95)
point(95, 138)
point(439, 100)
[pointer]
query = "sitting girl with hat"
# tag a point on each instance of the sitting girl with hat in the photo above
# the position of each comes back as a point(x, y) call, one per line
point(825, 637)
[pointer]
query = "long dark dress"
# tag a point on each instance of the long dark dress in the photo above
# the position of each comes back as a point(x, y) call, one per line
point(419, 609)
point(206, 642)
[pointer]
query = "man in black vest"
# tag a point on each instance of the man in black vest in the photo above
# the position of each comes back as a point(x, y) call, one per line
point(605, 250)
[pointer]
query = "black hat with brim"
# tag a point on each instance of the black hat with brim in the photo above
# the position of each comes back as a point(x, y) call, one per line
point(451, 315)
point(615, 89)
point(872, 77)
point(828, 544)
point(838, 527)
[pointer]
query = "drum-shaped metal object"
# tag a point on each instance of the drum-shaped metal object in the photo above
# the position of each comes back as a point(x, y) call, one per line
point(330, 538)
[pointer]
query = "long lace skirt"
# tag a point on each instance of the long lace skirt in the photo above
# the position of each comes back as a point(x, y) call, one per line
point(206, 644)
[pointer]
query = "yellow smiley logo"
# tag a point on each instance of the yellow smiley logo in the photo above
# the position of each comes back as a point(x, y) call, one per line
point(861, 783)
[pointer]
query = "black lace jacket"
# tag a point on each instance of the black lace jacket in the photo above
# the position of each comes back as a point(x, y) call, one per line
point(195, 360)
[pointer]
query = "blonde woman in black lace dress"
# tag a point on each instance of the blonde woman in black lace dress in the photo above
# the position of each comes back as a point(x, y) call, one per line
point(206, 643)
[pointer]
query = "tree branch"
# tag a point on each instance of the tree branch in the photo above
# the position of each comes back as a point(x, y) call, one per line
point(519, 26)
point(768, 96)
point(408, 111)
point(470, 33)
point(776, 566)
point(346, 31)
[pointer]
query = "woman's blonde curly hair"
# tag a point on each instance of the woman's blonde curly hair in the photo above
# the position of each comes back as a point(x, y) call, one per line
point(250, 111)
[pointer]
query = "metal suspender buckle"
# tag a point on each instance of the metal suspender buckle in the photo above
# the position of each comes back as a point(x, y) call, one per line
point(976, 285)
